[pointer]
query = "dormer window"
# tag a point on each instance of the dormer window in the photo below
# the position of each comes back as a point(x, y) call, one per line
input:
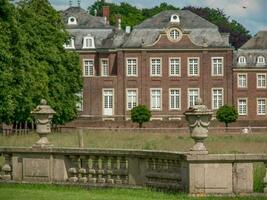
point(72, 21)
point(88, 42)
point(242, 60)
point(175, 19)
point(69, 44)
point(260, 60)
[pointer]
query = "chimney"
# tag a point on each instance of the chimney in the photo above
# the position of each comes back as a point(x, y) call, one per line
point(106, 13)
point(118, 22)
point(128, 29)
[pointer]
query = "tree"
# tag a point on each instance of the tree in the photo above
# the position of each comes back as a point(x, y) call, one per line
point(227, 114)
point(140, 114)
point(39, 65)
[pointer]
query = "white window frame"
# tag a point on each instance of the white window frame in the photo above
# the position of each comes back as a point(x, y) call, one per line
point(263, 60)
point(238, 80)
point(93, 67)
point(179, 67)
point(242, 60)
point(259, 113)
point(257, 79)
point(102, 66)
point(156, 75)
point(188, 96)
point(238, 106)
point(212, 98)
point(70, 22)
point(127, 98)
point(88, 37)
point(79, 105)
point(113, 102)
point(71, 44)
point(131, 66)
point(156, 109)
point(188, 66)
point(179, 96)
point(212, 66)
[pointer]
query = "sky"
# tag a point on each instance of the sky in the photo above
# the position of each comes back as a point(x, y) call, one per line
point(250, 13)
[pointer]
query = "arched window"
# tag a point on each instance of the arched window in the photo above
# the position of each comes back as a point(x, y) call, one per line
point(260, 60)
point(175, 18)
point(88, 42)
point(69, 44)
point(242, 60)
point(72, 21)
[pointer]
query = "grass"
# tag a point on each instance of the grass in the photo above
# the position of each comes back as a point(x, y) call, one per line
point(259, 172)
point(43, 192)
point(172, 141)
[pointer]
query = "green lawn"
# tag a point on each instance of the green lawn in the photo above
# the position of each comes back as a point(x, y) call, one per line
point(44, 192)
point(173, 141)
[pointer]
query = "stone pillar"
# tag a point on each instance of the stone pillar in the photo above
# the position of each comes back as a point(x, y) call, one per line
point(198, 118)
point(43, 115)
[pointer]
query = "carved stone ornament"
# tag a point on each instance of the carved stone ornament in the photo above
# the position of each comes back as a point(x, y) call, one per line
point(198, 118)
point(43, 115)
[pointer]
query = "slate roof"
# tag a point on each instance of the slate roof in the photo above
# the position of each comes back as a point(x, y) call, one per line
point(188, 20)
point(201, 32)
point(84, 19)
point(257, 42)
point(256, 46)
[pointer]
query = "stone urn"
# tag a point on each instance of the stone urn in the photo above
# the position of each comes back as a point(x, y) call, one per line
point(198, 118)
point(43, 115)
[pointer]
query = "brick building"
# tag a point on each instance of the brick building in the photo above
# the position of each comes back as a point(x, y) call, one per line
point(165, 62)
point(250, 78)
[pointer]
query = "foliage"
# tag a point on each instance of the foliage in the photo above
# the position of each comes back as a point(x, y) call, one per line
point(227, 114)
point(140, 114)
point(39, 65)
point(132, 16)
point(238, 33)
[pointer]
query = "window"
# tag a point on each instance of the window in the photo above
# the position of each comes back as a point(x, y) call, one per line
point(132, 67)
point(217, 98)
point(174, 34)
point(242, 106)
point(174, 99)
point(217, 67)
point(155, 67)
point(132, 98)
point(108, 101)
point(261, 80)
point(242, 60)
point(104, 67)
point(175, 19)
point(79, 104)
point(193, 66)
point(260, 60)
point(155, 99)
point(88, 68)
point(88, 42)
point(69, 44)
point(192, 96)
point(261, 106)
point(72, 21)
point(174, 66)
point(242, 80)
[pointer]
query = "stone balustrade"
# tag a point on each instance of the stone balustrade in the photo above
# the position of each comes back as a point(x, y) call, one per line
point(209, 173)
point(95, 167)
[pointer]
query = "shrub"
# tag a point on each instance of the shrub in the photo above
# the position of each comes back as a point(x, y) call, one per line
point(227, 114)
point(140, 114)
